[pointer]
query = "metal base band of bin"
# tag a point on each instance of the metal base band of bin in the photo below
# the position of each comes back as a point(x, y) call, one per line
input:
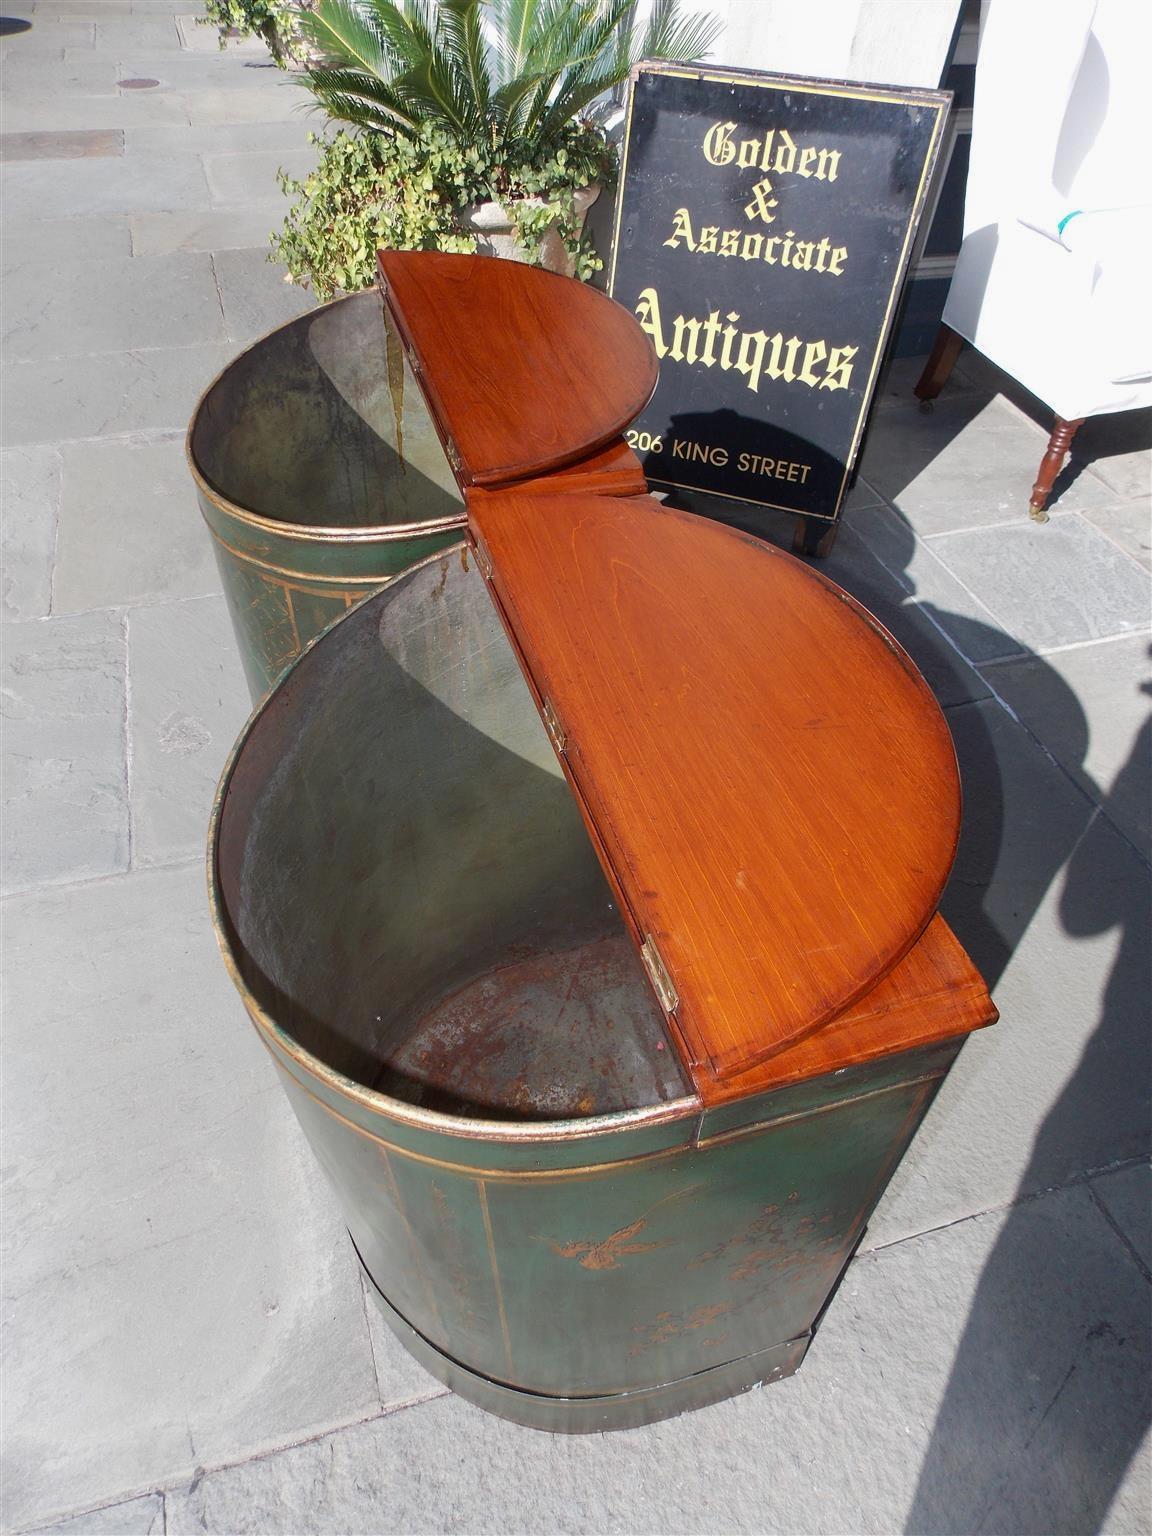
point(591, 1415)
point(320, 477)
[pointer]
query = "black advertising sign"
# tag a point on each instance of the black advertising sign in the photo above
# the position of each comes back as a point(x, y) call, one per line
point(762, 236)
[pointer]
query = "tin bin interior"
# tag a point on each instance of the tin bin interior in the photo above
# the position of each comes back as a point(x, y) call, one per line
point(321, 423)
point(407, 883)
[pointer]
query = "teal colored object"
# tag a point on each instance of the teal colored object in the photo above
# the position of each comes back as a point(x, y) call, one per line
point(320, 477)
point(409, 904)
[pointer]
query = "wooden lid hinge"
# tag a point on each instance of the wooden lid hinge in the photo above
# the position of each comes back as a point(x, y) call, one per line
point(658, 975)
point(556, 732)
point(483, 558)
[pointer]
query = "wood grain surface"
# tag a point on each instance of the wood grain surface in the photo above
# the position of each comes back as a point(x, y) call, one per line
point(611, 471)
point(524, 371)
point(933, 994)
point(771, 785)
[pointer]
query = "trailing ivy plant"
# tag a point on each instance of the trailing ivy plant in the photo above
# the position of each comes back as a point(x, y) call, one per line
point(272, 20)
point(455, 102)
point(408, 193)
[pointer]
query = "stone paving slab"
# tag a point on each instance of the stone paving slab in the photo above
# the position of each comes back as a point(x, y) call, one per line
point(75, 188)
point(26, 109)
point(1050, 584)
point(65, 795)
point(968, 1379)
point(79, 73)
point(223, 138)
point(1129, 526)
point(171, 1246)
point(129, 35)
point(29, 507)
point(243, 178)
point(106, 393)
point(402, 1379)
point(1114, 449)
point(130, 532)
point(968, 464)
point(1127, 1198)
point(254, 294)
point(77, 307)
point(949, 675)
point(73, 144)
point(1090, 709)
point(48, 32)
point(1125, 474)
point(139, 1517)
point(85, 8)
point(99, 238)
point(1053, 906)
point(206, 106)
point(221, 229)
point(953, 607)
point(177, 71)
point(189, 701)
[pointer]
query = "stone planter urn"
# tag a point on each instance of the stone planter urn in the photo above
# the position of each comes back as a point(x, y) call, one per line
point(495, 234)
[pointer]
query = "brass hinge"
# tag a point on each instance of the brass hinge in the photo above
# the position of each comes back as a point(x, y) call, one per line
point(658, 975)
point(453, 455)
point(552, 725)
point(416, 366)
point(483, 558)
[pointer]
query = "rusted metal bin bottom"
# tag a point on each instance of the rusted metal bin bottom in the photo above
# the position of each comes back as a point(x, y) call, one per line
point(591, 1415)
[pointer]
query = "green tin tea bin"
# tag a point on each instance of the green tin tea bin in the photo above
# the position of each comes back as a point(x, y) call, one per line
point(319, 475)
point(589, 1186)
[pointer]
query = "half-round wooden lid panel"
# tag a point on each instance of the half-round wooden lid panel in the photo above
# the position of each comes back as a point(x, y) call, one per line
point(524, 371)
point(772, 787)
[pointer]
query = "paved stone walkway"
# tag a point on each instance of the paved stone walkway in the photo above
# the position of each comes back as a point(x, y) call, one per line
point(188, 1345)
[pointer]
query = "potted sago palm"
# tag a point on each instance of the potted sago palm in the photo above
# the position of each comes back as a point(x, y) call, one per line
point(471, 124)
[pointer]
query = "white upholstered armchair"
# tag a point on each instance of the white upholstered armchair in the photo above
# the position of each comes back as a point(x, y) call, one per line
point(1052, 282)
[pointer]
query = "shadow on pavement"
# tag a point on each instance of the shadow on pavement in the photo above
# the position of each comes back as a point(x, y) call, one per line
point(998, 1459)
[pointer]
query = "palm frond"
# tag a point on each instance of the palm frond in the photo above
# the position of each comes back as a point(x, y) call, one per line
point(508, 102)
point(462, 38)
point(356, 96)
point(671, 35)
point(393, 64)
point(420, 18)
point(515, 24)
point(346, 32)
point(438, 90)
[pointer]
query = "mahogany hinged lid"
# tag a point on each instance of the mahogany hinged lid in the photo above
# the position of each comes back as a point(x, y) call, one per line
point(770, 786)
point(524, 372)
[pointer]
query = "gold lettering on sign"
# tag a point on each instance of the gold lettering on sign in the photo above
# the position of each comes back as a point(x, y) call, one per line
point(777, 250)
point(755, 354)
point(777, 152)
point(718, 146)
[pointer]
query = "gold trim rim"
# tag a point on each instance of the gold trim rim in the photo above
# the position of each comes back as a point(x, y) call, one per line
point(307, 577)
point(517, 1132)
point(319, 533)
